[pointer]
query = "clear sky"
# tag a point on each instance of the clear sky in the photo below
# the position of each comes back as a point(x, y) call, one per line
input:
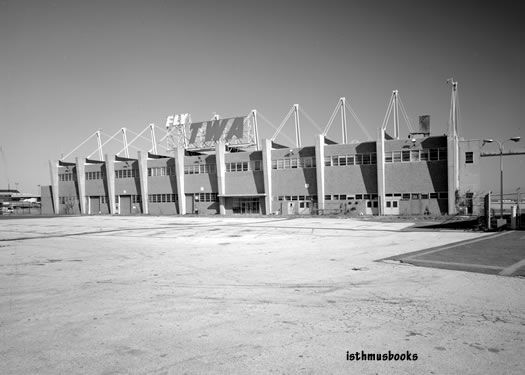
point(68, 68)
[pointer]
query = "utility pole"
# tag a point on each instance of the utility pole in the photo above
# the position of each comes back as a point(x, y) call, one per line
point(500, 145)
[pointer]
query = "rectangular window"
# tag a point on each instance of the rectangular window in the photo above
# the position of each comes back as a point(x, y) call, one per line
point(342, 161)
point(443, 153)
point(350, 160)
point(366, 196)
point(286, 163)
point(327, 161)
point(424, 196)
point(293, 163)
point(414, 155)
point(359, 196)
point(388, 157)
point(358, 158)
point(388, 204)
point(308, 162)
point(366, 159)
point(335, 161)
point(394, 204)
point(280, 164)
point(396, 156)
point(415, 195)
point(369, 204)
point(433, 195)
point(327, 197)
point(405, 155)
point(469, 157)
point(406, 196)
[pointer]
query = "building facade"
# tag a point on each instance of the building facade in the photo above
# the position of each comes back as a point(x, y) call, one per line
point(427, 175)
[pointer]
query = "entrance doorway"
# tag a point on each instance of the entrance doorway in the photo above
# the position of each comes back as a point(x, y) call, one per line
point(392, 207)
point(94, 206)
point(246, 206)
point(372, 207)
point(125, 204)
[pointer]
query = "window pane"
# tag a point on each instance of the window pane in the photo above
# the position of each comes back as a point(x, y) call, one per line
point(397, 156)
point(405, 155)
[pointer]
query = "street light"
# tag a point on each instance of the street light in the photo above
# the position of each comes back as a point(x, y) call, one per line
point(500, 145)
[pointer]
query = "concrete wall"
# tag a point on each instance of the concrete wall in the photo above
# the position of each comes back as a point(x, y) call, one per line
point(46, 200)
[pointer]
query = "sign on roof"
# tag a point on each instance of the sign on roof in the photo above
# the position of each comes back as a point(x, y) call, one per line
point(206, 134)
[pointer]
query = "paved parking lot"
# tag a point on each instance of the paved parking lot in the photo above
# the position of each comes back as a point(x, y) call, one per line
point(500, 253)
point(171, 295)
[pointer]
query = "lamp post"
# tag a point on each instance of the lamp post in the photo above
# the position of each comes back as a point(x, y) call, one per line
point(500, 145)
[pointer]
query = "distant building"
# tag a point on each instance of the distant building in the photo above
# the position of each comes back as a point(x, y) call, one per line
point(18, 202)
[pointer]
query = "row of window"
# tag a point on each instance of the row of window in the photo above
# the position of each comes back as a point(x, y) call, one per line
point(66, 177)
point(297, 197)
point(134, 198)
point(356, 159)
point(65, 200)
point(304, 162)
point(162, 198)
point(403, 196)
point(206, 197)
point(243, 166)
point(127, 173)
point(406, 156)
point(200, 168)
point(98, 175)
point(161, 171)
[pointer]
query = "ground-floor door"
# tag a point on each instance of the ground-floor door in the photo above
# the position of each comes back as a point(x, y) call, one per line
point(372, 207)
point(391, 207)
point(190, 203)
point(94, 206)
point(296, 207)
point(125, 204)
point(246, 206)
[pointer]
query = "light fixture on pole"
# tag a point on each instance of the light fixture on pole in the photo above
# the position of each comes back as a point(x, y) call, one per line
point(500, 145)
